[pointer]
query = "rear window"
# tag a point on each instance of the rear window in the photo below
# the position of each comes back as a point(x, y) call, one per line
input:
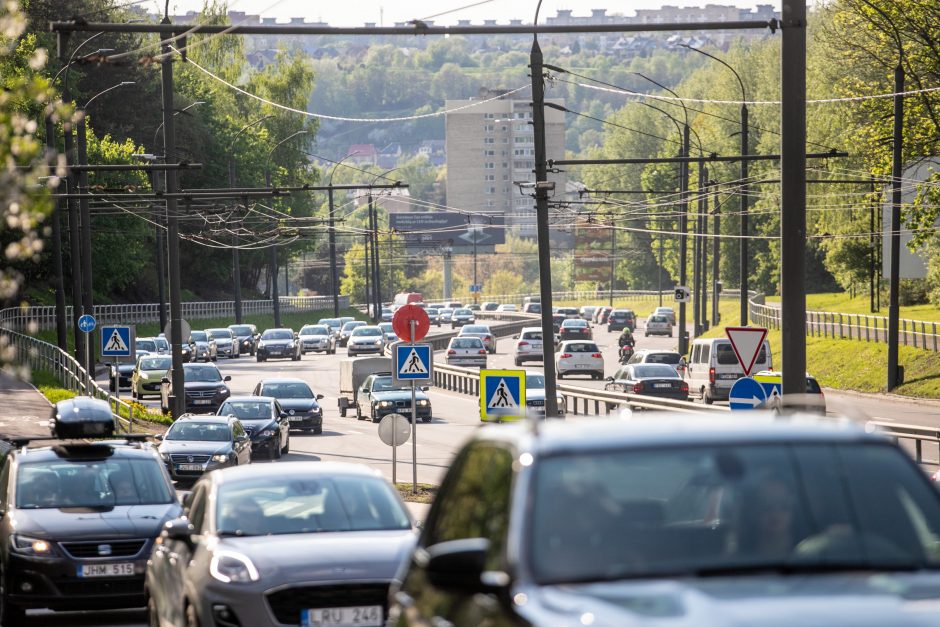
point(466, 342)
point(655, 370)
point(574, 323)
point(582, 347)
point(724, 355)
point(532, 335)
point(663, 358)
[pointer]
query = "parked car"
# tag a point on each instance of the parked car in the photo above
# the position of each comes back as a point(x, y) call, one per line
point(297, 399)
point(669, 312)
point(317, 338)
point(265, 422)
point(205, 389)
point(575, 329)
point(528, 346)
point(579, 357)
point(535, 396)
point(242, 554)
point(379, 396)
point(278, 344)
point(507, 307)
point(247, 337)
point(366, 339)
point(466, 351)
point(660, 380)
point(148, 374)
point(204, 346)
point(225, 343)
point(347, 330)
point(620, 319)
point(461, 317)
point(675, 520)
point(658, 324)
point(481, 331)
point(194, 445)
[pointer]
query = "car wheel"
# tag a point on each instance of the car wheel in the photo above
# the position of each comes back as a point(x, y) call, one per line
point(317, 430)
point(561, 375)
point(10, 615)
point(276, 451)
point(192, 620)
point(707, 398)
point(286, 448)
point(342, 412)
point(359, 415)
point(428, 419)
point(252, 353)
point(518, 362)
point(215, 358)
point(236, 355)
point(259, 359)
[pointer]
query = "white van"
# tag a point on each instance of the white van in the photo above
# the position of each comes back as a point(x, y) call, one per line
point(713, 368)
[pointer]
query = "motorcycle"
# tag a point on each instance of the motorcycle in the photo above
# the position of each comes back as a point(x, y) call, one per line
point(626, 352)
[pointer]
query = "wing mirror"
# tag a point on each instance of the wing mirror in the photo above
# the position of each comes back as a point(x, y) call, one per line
point(460, 565)
point(179, 529)
point(158, 437)
point(319, 397)
point(227, 378)
point(609, 379)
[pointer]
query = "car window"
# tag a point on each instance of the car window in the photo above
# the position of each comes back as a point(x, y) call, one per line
point(91, 483)
point(383, 384)
point(197, 509)
point(654, 370)
point(201, 373)
point(534, 382)
point(241, 330)
point(288, 389)
point(217, 334)
point(582, 347)
point(246, 410)
point(199, 432)
point(349, 326)
point(156, 363)
point(466, 342)
point(274, 506)
point(146, 345)
point(198, 336)
point(277, 334)
point(316, 330)
point(574, 323)
point(532, 335)
point(663, 358)
point(724, 355)
point(367, 332)
point(474, 328)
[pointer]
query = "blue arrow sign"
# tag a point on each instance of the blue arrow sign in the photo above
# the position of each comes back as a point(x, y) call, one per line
point(86, 323)
point(413, 362)
point(746, 393)
point(116, 342)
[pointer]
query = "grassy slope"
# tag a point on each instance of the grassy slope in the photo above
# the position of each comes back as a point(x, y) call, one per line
point(841, 302)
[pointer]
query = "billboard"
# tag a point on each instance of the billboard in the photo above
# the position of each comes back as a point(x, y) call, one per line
point(441, 229)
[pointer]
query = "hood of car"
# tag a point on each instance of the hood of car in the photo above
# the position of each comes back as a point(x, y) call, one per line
point(86, 523)
point(193, 386)
point(374, 555)
point(191, 447)
point(398, 395)
point(223, 340)
point(258, 425)
point(770, 601)
point(277, 342)
point(298, 404)
point(366, 339)
point(201, 344)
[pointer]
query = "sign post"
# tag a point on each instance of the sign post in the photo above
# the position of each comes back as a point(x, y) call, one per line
point(412, 322)
point(117, 342)
point(502, 395)
point(86, 325)
point(394, 431)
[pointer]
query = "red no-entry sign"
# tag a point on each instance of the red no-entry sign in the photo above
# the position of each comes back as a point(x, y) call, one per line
point(401, 322)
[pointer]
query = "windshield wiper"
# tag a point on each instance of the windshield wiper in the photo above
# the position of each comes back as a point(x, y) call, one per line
point(802, 568)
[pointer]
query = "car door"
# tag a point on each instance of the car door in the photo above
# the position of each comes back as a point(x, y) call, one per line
point(241, 443)
point(283, 421)
point(171, 559)
point(474, 502)
point(365, 397)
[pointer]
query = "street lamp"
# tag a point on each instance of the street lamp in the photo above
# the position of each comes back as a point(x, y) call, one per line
point(743, 184)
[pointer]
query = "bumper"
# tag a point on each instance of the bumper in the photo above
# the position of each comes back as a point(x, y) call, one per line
point(537, 408)
point(357, 349)
point(54, 583)
point(467, 361)
point(148, 388)
point(381, 412)
point(263, 448)
point(268, 354)
point(718, 392)
point(226, 350)
point(529, 356)
point(306, 421)
point(316, 346)
point(192, 475)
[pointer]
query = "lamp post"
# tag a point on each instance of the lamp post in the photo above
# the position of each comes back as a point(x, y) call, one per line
point(743, 250)
point(272, 268)
point(236, 262)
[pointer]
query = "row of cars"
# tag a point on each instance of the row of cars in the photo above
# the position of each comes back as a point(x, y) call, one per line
point(675, 520)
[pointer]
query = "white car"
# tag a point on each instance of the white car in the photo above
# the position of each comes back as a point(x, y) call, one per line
point(466, 351)
point(528, 345)
point(481, 331)
point(535, 395)
point(658, 324)
point(318, 338)
point(579, 357)
point(389, 332)
point(507, 307)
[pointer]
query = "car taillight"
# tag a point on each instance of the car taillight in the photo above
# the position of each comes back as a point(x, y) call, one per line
point(565, 355)
point(482, 351)
point(711, 375)
point(684, 387)
point(523, 344)
point(598, 355)
point(451, 352)
point(637, 387)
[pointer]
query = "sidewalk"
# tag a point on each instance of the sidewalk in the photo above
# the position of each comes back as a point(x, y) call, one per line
point(23, 410)
point(419, 511)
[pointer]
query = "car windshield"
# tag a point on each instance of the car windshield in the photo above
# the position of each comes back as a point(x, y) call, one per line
point(474, 328)
point(535, 382)
point(349, 326)
point(666, 311)
point(463, 312)
point(730, 509)
point(162, 344)
point(246, 410)
point(91, 483)
point(466, 342)
point(198, 336)
point(280, 505)
point(220, 334)
point(655, 370)
point(446, 312)
point(387, 327)
point(330, 322)
point(202, 374)
point(581, 347)
point(277, 334)
point(384, 384)
point(241, 330)
point(574, 323)
point(146, 345)
point(317, 330)
point(288, 389)
point(156, 363)
point(663, 358)
point(199, 432)
point(367, 332)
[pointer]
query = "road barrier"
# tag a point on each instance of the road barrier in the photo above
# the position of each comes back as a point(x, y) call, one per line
point(918, 435)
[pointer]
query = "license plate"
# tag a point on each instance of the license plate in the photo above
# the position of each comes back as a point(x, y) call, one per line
point(202, 401)
point(106, 570)
point(190, 466)
point(729, 377)
point(581, 365)
point(662, 385)
point(362, 616)
point(296, 418)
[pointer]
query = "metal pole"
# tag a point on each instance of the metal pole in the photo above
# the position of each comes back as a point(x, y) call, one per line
point(793, 198)
point(697, 255)
point(683, 235)
point(60, 326)
point(897, 155)
point(272, 267)
point(744, 209)
point(368, 267)
point(334, 281)
point(87, 296)
point(716, 251)
point(414, 423)
point(178, 398)
point(872, 267)
point(612, 250)
point(75, 247)
point(374, 243)
point(236, 262)
point(476, 293)
point(703, 253)
point(660, 287)
point(161, 259)
point(541, 213)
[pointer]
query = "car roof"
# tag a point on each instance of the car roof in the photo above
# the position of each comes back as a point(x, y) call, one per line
point(564, 342)
point(283, 380)
point(246, 398)
point(204, 418)
point(235, 474)
point(280, 329)
point(657, 429)
point(194, 364)
point(655, 351)
point(60, 450)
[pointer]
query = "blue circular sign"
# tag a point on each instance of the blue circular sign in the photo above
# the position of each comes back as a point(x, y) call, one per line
point(87, 323)
point(746, 393)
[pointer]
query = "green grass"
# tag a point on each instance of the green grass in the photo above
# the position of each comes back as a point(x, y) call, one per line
point(842, 302)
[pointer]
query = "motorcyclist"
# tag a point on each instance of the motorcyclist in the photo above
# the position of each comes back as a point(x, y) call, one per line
point(626, 338)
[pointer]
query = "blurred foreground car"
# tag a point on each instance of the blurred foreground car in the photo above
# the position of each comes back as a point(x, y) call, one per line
point(677, 521)
point(257, 548)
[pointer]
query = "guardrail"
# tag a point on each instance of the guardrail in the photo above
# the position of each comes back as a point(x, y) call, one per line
point(917, 434)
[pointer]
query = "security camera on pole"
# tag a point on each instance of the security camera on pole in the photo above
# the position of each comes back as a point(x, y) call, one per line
point(413, 363)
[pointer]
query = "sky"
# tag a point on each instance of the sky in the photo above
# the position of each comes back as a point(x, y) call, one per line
point(387, 12)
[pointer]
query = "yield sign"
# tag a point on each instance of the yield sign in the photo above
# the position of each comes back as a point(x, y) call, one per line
point(746, 342)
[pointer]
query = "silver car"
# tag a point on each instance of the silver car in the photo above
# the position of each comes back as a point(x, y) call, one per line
point(318, 545)
point(318, 338)
point(225, 343)
point(366, 339)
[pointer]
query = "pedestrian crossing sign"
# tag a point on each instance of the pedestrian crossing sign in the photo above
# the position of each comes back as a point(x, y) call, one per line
point(502, 395)
point(413, 362)
point(117, 341)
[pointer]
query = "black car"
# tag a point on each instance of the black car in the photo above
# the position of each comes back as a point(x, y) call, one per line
point(379, 396)
point(205, 389)
point(676, 521)
point(124, 372)
point(247, 337)
point(661, 380)
point(79, 518)
point(278, 344)
point(297, 399)
point(194, 445)
point(620, 319)
point(265, 422)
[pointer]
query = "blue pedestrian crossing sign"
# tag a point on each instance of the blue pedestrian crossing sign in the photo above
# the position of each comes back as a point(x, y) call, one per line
point(86, 324)
point(117, 341)
point(502, 395)
point(413, 362)
point(746, 393)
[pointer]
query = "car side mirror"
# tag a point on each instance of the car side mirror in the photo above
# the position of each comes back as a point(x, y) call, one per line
point(241, 438)
point(457, 565)
point(515, 337)
point(609, 379)
point(425, 388)
point(158, 437)
point(319, 397)
point(283, 414)
point(179, 529)
point(227, 378)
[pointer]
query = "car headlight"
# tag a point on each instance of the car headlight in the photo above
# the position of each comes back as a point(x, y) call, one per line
point(424, 403)
point(220, 457)
point(31, 546)
point(316, 411)
point(290, 344)
point(378, 342)
point(144, 376)
point(385, 403)
point(222, 392)
point(267, 433)
point(261, 345)
point(231, 567)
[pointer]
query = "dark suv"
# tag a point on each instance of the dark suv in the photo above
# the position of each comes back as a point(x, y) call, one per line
point(205, 389)
point(79, 518)
point(620, 319)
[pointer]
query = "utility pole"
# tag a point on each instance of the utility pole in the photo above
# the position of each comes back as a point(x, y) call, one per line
point(272, 262)
point(374, 242)
point(334, 280)
point(541, 213)
point(897, 154)
point(367, 270)
point(56, 218)
point(75, 249)
point(178, 398)
point(697, 255)
point(702, 301)
point(793, 197)
point(716, 252)
point(683, 236)
point(159, 218)
point(236, 262)
point(872, 263)
point(86, 270)
point(612, 262)
point(743, 251)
